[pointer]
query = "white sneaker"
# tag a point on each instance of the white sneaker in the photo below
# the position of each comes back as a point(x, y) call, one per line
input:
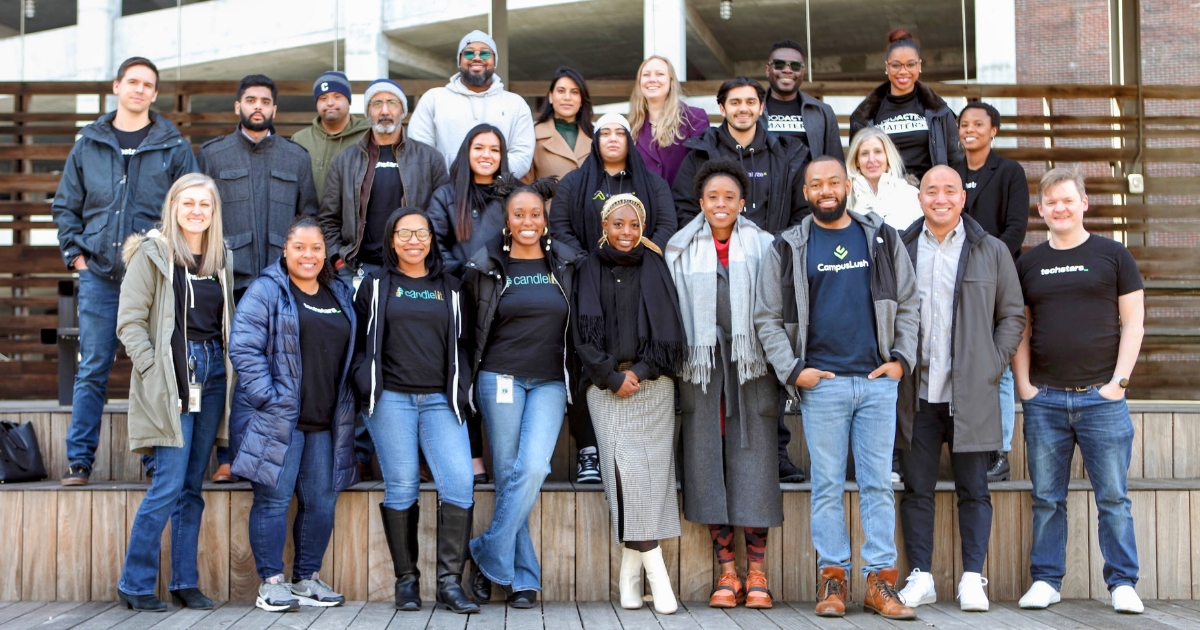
point(896, 478)
point(1126, 600)
point(1040, 595)
point(971, 597)
point(630, 582)
point(919, 590)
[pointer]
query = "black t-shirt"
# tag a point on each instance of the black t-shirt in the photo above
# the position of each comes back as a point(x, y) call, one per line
point(387, 194)
point(1072, 298)
point(972, 187)
point(786, 118)
point(129, 141)
point(206, 306)
point(527, 334)
point(902, 118)
point(324, 340)
point(841, 315)
point(414, 336)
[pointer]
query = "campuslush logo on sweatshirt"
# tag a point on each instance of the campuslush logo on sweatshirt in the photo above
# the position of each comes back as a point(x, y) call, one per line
point(401, 292)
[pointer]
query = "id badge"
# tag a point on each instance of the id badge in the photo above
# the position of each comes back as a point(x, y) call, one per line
point(504, 389)
point(193, 398)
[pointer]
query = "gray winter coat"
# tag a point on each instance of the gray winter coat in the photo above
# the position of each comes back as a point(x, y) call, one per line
point(781, 308)
point(348, 182)
point(989, 317)
point(263, 187)
point(744, 491)
point(100, 202)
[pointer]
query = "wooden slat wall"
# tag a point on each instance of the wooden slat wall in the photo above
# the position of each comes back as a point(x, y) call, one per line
point(36, 142)
point(69, 545)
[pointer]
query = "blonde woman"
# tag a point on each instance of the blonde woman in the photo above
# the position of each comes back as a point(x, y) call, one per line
point(629, 338)
point(660, 120)
point(175, 312)
point(878, 182)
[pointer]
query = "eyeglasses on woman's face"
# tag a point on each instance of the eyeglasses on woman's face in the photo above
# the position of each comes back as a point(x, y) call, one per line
point(405, 235)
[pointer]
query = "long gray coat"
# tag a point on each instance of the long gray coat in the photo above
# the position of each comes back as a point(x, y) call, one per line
point(744, 491)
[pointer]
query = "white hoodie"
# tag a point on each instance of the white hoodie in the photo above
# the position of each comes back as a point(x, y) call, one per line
point(896, 201)
point(444, 115)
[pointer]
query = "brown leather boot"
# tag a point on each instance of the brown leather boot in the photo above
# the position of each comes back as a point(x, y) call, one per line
point(757, 593)
point(881, 596)
point(832, 593)
point(729, 592)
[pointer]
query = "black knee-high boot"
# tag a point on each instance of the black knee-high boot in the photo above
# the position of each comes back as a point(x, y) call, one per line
point(400, 529)
point(453, 540)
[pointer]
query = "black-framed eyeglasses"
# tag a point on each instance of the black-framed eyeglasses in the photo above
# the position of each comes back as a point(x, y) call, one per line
point(406, 235)
point(779, 64)
point(483, 55)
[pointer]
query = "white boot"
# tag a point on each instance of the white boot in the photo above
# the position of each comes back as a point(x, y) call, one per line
point(1040, 595)
point(660, 582)
point(630, 584)
point(1126, 600)
point(971, 597)
point(919, 590)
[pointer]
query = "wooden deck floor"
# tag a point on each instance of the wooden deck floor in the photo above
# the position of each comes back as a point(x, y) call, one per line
point(1074, 614)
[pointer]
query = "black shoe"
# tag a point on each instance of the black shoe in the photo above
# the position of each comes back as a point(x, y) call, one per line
point(589, 468)
point(481, 586)
point(999, 471)
point(76, 475)
point(400, 530)
point(453, 540)
point(523, 599)
point(788, 472)
point(482, 478)
point(144, 603)
point(192, 598)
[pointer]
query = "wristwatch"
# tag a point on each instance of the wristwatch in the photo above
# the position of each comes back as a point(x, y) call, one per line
point(1123, 382)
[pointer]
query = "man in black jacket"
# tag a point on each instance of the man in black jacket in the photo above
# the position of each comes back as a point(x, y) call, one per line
point(775, 200)
point(793, 114)
point(264, 180)
point(368, 180)
point(112, 185)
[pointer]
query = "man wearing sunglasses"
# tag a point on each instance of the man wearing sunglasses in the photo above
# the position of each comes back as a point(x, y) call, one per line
point(794, 114)
point(475, 95)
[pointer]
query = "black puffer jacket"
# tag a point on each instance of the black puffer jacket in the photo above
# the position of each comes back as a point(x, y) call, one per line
point(943, 126)
point(483, 281)
point(443, 217)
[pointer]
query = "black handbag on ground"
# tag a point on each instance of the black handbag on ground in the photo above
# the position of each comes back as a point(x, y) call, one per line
point(20, 458)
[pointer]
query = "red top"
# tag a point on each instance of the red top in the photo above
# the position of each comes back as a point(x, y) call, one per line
point(722, 252)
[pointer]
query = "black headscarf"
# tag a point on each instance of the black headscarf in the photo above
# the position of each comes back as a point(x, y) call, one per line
point(661, 339)
point(584, 223)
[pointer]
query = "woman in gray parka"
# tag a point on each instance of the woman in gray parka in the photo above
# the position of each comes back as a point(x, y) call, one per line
point(730, 400)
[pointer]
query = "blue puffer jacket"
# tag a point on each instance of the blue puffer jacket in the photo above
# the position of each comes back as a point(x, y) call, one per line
point(264, 348)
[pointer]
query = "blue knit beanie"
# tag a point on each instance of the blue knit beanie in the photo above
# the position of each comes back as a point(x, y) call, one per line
point(331, 82)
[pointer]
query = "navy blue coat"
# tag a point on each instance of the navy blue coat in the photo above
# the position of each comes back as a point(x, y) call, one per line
point(264, 348)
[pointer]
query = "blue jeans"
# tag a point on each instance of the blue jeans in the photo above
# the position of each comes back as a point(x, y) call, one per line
point(842, 413)
point(175, 489)
point(307, 472)
point(98, 298)
point(401, 424)
point(1055, 421)
point(1008, 408)
point(522, 434)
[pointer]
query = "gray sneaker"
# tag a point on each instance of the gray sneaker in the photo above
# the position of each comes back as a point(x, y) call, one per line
point(314, 592)
point(275, 595)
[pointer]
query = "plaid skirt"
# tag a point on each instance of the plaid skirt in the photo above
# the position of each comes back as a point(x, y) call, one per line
point(636, 436)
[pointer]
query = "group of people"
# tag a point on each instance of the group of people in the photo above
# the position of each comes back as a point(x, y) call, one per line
point(391, 293)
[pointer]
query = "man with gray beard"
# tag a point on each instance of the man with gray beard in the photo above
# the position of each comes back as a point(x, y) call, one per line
point(368, 180)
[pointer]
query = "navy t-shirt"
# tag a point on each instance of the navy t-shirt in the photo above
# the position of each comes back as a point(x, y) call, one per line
point(841, 315)
point(527, 334)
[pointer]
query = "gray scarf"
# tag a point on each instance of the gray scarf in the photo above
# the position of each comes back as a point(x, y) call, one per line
point(692, 257)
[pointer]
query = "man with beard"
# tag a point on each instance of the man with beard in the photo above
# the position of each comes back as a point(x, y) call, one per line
point(775, 199)
point(794, 114)
point(366, 182)
point(333, 129)
point(475, 95)
point(265, 181)
point(837, 315)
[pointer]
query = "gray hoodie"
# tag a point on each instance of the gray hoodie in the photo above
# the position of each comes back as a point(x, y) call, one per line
point(781, 308)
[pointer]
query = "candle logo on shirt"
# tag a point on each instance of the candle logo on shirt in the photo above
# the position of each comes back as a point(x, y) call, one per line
point(537, 278)
point(903, 123)
point(419, 295)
